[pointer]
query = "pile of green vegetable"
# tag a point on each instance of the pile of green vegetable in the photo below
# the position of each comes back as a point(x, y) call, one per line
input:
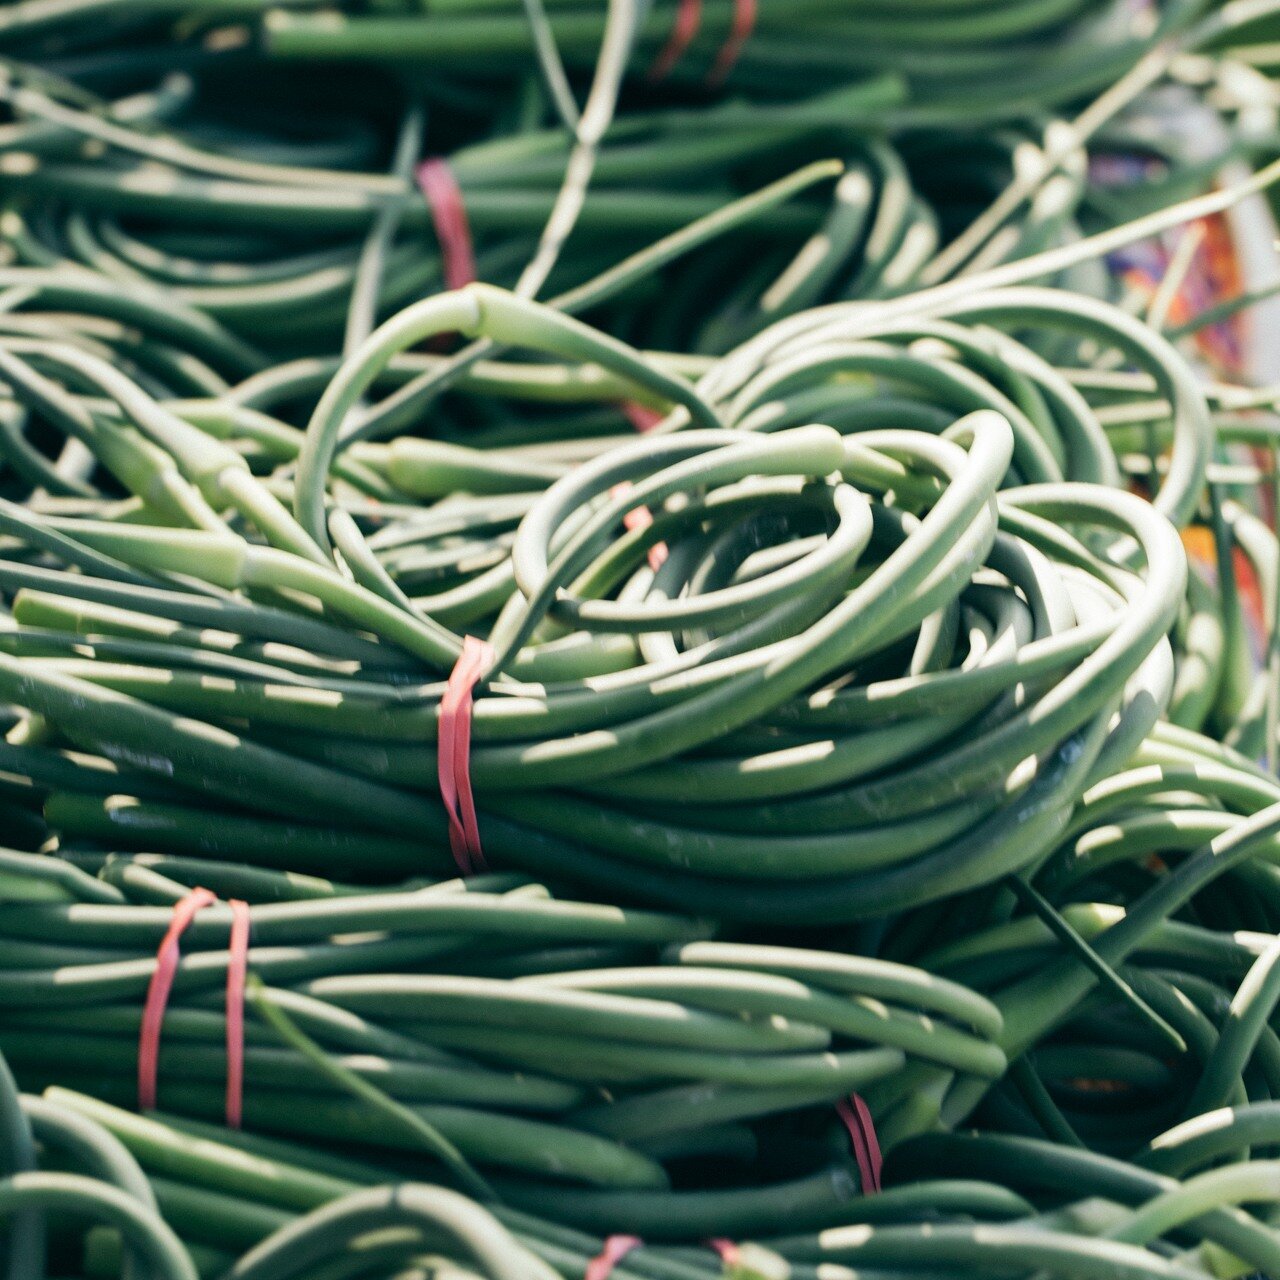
point(638, 641)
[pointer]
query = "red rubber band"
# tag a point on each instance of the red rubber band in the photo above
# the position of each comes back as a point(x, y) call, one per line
point(744, 23)
point(615, 1249)
point(683, 32)
point(640, 416)
point(862, 1136)
point(438, 185)
point(167, 956)
point(641, 518)
point(237, 968)
point(453, 753)
point(727, 1250)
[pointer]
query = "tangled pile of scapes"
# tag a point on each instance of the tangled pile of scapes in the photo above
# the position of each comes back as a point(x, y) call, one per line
point(639, 640)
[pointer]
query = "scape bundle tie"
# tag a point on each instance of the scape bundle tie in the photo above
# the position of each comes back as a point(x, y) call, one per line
point(744, 22)
point(862, 1136)
point(237, 970)
point(168, 954)
point(453, 754)
point(440, 188)
point(726, 1250)
point(641, 518)
point(616, 1248)
point(641, 417)
point(684, 31)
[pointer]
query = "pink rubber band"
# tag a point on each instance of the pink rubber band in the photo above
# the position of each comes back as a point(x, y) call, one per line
point(167, 956)
point(641, 518)
point(615, 1249)
point(683, 32)
point(726, 1249)
point(862, 1136)
point(744, 23)
point(438, 185)
point(637, 518)
point(640, 416)
point(237, 968)
point(453, 753)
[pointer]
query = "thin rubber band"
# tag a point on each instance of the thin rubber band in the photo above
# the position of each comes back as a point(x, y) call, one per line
point(641, 417)
point(615, 1249)
point(744, 22)
point(727, 1251)
point(167, 956)
point(438, 185)
point(862, 1136)
point(641, 518)
point(453, 755)
point(637, 518)
point(683, 31)
point(237, 968)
